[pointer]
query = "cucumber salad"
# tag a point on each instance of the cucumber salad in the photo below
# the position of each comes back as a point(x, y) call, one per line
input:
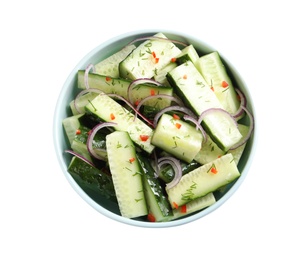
point(157, 129)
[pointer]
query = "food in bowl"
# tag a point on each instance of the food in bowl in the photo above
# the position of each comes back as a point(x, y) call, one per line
point(156, 129)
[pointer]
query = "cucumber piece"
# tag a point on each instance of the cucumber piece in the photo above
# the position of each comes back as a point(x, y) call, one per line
point(126, 174)
point(237, 153)
point(157, 202)
point(194, 206)
point(110, 65)
point(214, 72)
point(197, 94)
point(120, 87)
point(203, 180)
point(188, 53)
point(70, 125)
point(91, 178)
point(161, 74)
point(148, 58)
point(78, 134)
point(210, 151)
point(103, 107)
point(81, 102)
point(177, 138)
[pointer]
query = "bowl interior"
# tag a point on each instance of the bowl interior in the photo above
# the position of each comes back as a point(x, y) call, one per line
point(70, 90)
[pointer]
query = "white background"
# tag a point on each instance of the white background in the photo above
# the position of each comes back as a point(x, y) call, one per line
point(42, 217)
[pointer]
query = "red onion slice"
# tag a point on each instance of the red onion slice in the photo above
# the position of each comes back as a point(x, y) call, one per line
point(157, 38)
point(183, 109)
point(139, 81)
point(198, 126)
point(176, 167)
point(86, 77)
point(80, 157)
point(242, 104)
point(95, 90)
point(132, 107)
point(213, 110)
point(91, 136)
point(252, 125)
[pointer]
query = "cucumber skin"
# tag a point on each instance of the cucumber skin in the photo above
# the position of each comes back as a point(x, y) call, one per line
point(92, 178)
point(157, 201)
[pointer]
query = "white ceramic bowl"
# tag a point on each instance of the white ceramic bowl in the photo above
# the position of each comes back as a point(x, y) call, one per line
point(69, 91)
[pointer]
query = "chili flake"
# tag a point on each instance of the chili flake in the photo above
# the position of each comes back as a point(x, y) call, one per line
point(131, 160)
point(151, 217)
point(178, 125)
point(224, 84)
point(144, 137)
point(112, 116)
point(214, 170)
point(183, 208)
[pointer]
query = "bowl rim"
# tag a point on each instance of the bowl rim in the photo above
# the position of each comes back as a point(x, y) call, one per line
point(57, 139)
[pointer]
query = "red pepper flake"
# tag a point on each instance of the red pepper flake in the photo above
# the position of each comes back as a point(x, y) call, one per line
point(178, 125)
point(153, 92)
point(176, 117)
point(108, 78)
point(151, 217)
point(214, 170)
point(156, 59)
point(175, 205)
point(89, 132)
point(212, 88)
point(112, 117)
point(183, 208)
point(131, 160)
point(144, 137)
point(224, 84)
point(173, 60)
point(78, 132)
point(185, 76)
point(136, 102)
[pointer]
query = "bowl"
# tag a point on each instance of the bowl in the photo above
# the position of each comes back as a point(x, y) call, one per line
point(69, 91)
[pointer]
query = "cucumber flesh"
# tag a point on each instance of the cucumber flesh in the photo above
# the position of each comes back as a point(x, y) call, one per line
point(110, 65)
point(203, 180)
point(177, 138)
point(126, 174)
point(214, 72)
point(103, 106)
point(70, 125)
point(194, 206)
point(148, 58)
